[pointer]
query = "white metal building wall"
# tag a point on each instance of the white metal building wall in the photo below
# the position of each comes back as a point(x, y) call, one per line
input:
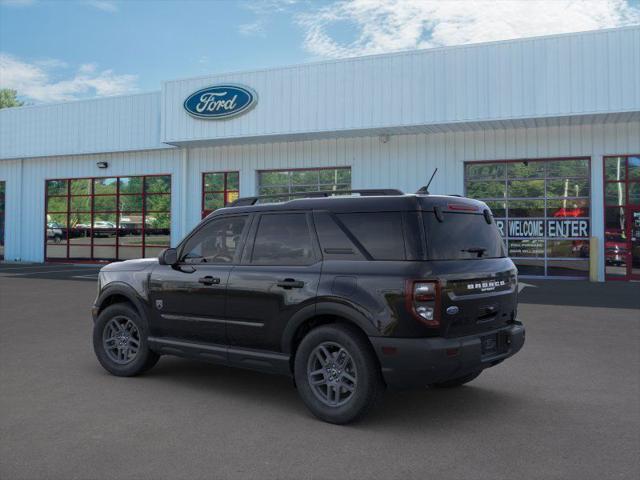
point(99, 125)
point(405, 162)
point(546, 77)
point(25, 198)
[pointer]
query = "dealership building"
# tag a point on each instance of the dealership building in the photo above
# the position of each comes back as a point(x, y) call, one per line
point(546, 130)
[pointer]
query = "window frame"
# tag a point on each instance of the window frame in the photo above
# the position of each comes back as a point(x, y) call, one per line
point(91, 212)
point(205, 212)
point(252, 235)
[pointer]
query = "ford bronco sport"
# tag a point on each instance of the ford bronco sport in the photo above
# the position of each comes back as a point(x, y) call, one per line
point(346, 294)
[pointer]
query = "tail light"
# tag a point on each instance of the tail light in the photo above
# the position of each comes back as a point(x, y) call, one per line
point(423, 301)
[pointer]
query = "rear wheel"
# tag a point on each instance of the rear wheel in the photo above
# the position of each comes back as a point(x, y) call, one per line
point(120, 341)
point(337, 374)
point(456, 382)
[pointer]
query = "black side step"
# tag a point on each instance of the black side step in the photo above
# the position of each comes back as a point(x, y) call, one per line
point(261, 360)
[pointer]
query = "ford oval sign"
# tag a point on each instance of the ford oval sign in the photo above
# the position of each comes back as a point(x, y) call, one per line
point(220, 101)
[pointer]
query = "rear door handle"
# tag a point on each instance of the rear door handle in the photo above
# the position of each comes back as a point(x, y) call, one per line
point(290, 283)
point(209, 280)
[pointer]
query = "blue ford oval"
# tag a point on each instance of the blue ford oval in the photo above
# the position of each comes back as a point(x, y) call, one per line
point(220, 101)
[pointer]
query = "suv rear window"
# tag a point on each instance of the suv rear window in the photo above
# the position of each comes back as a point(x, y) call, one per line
point(461, 236)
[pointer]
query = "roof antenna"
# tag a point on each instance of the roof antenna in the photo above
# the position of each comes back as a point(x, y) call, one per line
point(425, 190)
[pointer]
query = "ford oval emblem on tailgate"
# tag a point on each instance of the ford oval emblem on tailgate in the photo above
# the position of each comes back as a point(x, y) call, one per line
point(452, 310)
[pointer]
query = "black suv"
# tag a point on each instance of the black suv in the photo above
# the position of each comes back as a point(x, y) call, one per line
point(346, 294)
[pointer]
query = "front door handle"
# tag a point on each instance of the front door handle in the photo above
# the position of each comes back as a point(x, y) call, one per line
point(209, 280)
point(290, 283)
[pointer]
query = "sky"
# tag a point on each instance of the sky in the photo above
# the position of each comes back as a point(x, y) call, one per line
point(59, 50)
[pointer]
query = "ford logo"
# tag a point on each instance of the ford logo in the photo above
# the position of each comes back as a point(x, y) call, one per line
point(220, 101)
point(452, 310)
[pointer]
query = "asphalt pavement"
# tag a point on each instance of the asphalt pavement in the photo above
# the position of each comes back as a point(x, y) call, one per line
point(565, 407)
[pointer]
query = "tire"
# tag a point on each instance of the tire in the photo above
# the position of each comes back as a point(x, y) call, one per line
point(457, 382)
point(335, 374)
point(122, 362)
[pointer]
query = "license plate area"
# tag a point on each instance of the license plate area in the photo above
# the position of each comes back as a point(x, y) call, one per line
point(494, 344)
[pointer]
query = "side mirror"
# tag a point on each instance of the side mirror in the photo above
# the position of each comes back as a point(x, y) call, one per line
point(168, 256)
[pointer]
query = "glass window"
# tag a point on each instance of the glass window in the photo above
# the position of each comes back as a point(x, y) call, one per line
point(158, 203)
point(80, 204)
point(80, 187)
point(381, 234)
point(104, 203)
point(277, 182)
point(216, 242)
point(102, 186)
point(450, 239)
point(489, 189)
point(130, 203)
point(568, 188)
point(573, 207)
point(615, 168)
point(614, 219)
point(57, 187)
point(526, 248)
point(544, 200)
point(333, 240)
point(218, 190)
point(621, 188)
point(130, 184)
point(526, 169)
point(614, 193)
point(568, 268)
point(158, 184)
point(485, 171)
point(57, 204)
point(633, 168)
point(106, 218)
point(283, 239)
point(526, 208)
point(2, 215)
point(634, 193)
point(568, 248)
point(568, 168)
point(525, 188)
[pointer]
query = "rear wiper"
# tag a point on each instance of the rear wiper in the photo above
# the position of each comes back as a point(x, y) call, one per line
point(479, 250)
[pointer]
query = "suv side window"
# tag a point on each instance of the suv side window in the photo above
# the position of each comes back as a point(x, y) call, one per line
point(217, 242)
point(381, 234)
point(283, 239)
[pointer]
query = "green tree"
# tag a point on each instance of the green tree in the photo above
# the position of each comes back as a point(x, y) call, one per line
point(8, 98)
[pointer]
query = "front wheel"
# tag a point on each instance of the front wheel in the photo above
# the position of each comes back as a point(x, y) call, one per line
point(120, 341)
point(337, 374)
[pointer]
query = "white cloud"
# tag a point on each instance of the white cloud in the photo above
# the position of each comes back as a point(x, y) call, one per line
point(252, 29)
point(104, 5)
point(389, 25)
point(36, 81)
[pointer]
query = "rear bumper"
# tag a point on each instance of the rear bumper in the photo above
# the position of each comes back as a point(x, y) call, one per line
point(418, 362)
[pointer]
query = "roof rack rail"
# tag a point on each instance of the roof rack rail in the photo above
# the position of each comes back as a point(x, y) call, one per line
point(369, 192)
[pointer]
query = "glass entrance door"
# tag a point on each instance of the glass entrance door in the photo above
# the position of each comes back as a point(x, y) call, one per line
point(634, 243)
point(622, 217)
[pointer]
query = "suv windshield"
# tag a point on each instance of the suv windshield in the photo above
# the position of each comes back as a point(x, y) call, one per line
point(461, 236)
